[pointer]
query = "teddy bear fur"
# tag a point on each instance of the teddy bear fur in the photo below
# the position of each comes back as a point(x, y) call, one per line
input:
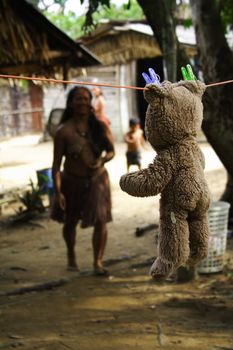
point(173, 118)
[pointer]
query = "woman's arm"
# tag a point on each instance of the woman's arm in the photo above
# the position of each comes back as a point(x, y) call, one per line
point(108, 152)
point(107, 157)
point(58, 153)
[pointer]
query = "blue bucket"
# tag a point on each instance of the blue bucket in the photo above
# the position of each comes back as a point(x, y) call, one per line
point(45, 180)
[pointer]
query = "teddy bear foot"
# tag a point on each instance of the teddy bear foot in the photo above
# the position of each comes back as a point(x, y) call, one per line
point(161, 269)
point(194, 259)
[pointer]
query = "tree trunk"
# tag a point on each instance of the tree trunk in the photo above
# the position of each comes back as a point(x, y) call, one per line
point(217, 65)
point(159, 14)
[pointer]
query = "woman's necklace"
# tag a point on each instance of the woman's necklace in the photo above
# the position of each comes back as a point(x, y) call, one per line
point(81, 130)
point(82, 133)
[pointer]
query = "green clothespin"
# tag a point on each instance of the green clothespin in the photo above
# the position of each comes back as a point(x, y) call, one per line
point(184, 73)
point(187, 73)
point(190, 71)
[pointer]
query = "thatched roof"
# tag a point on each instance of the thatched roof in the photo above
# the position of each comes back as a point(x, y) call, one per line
point(30, 44)
point(118, 42)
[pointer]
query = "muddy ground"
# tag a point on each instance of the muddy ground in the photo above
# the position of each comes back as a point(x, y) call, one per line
point(42, 306)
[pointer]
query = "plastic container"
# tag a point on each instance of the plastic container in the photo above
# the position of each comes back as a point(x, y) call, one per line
point(218, 221)
point(45, 180)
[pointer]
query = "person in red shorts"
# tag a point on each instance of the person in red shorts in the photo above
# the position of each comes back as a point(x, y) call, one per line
point(135, 140)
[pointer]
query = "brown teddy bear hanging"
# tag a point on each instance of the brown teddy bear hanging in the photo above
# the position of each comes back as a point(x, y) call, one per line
point(173, 118)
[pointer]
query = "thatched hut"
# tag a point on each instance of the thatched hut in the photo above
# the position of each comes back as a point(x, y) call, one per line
point(32, 45)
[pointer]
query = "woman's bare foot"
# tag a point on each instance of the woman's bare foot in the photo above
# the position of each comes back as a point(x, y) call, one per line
point(73, 267)
point(100, 270)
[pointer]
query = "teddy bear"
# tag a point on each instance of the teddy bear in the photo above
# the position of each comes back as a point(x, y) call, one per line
point(173, 118)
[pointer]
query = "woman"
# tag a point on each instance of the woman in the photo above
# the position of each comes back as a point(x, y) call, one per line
point(82, 190)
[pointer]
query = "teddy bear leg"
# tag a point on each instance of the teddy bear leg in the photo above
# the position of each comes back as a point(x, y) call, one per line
point(173, 250)
point(199, 235)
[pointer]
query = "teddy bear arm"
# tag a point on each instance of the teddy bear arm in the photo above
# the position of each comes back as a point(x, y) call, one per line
point(147, 182)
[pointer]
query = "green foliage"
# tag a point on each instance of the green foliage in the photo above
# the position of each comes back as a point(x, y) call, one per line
point(94, 6)
point(32, 199)
point(227, 12)
point(75, 26)
point(69, 23)
point(123, 12)
point(187, 22)
point(23, 85)
point(129, 11)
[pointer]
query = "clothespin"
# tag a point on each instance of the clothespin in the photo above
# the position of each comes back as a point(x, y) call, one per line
point(187, 73)
point(152, 77)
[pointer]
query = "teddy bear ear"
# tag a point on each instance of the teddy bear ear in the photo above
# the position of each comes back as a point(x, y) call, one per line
point(195, 86)
point(153, 90)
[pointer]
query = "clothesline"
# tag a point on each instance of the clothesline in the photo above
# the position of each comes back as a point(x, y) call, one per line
point(59, 81)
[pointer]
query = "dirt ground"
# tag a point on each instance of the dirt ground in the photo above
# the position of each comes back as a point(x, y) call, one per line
point(43, 306)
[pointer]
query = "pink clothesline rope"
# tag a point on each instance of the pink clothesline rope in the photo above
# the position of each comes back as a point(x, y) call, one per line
point(220, 83)
point(59, 81)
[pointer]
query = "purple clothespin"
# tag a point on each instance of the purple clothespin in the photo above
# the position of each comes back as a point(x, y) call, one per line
point(152, 77)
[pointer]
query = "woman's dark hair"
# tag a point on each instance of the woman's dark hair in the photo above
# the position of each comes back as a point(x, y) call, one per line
point(96, 128)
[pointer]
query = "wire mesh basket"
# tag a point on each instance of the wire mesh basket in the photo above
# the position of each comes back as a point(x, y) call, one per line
point(218, 220)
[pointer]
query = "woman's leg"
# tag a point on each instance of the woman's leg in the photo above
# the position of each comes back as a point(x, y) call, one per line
point(99, 240)
point(69, 235)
